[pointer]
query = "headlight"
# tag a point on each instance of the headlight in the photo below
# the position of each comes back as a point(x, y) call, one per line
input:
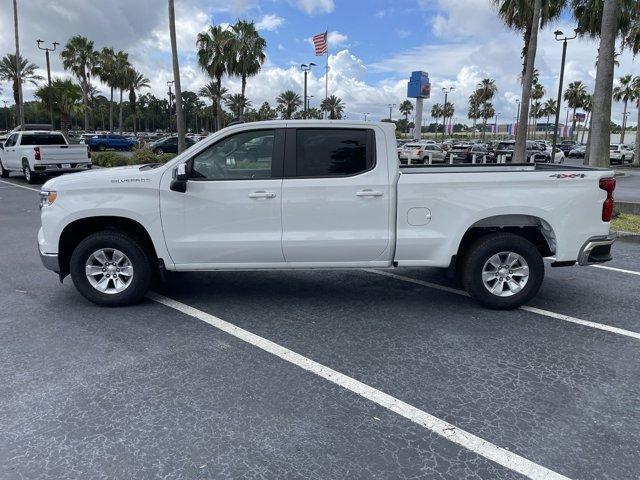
point(47, 198)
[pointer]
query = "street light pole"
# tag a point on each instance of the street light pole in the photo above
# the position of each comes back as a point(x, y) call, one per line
point(444, 109)
point(391, 105)
point(365, 116)
point(517, 118)
point(495, 126)
point(560, 37)
point(6, 115)
point(47, 50)
point(169, 83)
point(306, 68)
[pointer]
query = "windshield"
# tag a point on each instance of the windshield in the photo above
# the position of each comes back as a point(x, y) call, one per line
point(505, 146)
point(43, 139)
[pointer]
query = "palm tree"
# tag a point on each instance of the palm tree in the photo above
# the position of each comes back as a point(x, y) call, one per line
point(485, 92)
point(406, 107)
point(215, 58)
point(623, 93)
point(176, 79)
point(528, 17)
point(574, 95)
point(9, 73)
point(136, 82)
point(66, 98)
point(537, 92)
point(486, 111)
point(248, 55)
point(474, 110)
point(587, 104)
point(81, 59)
point(289, 101)
point(334, 106)
point(122, 69)
point(237, 103)
point(447, 112)
point(550, 107)
point(636, 97)
point(210, 92)
point(436, 112)
point(106, 71)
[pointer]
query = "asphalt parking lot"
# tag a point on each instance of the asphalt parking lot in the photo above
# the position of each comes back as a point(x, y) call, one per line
point(324, 374)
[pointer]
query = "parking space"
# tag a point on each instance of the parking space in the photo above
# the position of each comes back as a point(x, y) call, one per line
point(149, 391)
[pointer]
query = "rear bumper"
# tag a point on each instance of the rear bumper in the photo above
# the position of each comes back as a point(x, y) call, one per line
point(596, 250)
point(59, 167)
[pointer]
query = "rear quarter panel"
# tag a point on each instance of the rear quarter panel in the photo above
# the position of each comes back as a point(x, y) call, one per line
point(569, 202)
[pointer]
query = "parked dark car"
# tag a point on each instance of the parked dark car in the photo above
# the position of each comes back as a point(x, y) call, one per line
point(566, 146)
point(464, 152)
point(169, 145)
point(111, 141)
point(535, 151)
point(578, 151)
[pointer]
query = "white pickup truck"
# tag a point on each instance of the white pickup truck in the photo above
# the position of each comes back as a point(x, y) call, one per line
point(321, 194)
point(36, 153)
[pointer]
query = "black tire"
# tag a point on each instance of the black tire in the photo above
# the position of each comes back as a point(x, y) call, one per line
point(29, 175)
point(3, 173)
point(478, 255)
point(135, 251)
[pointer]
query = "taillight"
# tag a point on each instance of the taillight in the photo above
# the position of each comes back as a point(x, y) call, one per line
point(36, 153)
point(608, 185)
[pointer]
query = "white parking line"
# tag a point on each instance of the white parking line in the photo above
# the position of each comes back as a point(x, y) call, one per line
point(20, 186)
point(539, 311)
point(621, 270)
point(452, 433)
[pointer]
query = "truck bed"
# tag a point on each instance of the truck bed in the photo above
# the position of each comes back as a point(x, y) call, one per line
point(496, 167)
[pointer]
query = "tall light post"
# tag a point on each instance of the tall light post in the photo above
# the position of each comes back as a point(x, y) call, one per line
point(309, 97)
point(169, 83)
point(447, 91)
point(18, 72)
point(306, 68)
point(391, 105)
point(566, 121)
point(365, 116)
point(6, 115)
point(517, 118)
point(47, 50)
point(495, 126)
point(560, 37)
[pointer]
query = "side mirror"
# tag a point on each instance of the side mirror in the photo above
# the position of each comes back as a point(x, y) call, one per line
point(179, 182)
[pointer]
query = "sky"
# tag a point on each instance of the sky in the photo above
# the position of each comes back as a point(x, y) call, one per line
point(374, 46)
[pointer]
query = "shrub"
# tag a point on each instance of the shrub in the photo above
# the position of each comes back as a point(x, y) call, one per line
point(145, 155)
point(109, 159)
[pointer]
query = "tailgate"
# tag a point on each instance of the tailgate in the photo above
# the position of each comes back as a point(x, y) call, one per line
point(64, 154)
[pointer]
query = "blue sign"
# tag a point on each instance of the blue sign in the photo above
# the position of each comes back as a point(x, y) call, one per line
point(419, 85)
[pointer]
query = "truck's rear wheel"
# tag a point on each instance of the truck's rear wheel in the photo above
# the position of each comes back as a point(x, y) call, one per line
point(29, 175)
point(111, 269)
point(3, 173)
point(502, 271)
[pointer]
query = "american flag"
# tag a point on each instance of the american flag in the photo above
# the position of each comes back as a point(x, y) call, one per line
point(320, 43)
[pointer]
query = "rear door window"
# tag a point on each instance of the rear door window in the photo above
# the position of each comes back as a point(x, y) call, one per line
point(328, 152)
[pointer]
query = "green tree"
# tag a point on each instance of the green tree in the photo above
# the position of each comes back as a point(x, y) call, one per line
point(473, 111)
point(106, 71)
point(9, 73)
point(248, 56)
point(624, 93)
point(266, 112)
point(66, 98)
point(574, 95)
point(123, 75)
point(537, 92)
point(334, 106)
point(405, 108)
point(136, 81)
point(437, 111)
point(288, 101)
point(549, 107)
point(237, 103)
point(216, 56)
point(81, 59)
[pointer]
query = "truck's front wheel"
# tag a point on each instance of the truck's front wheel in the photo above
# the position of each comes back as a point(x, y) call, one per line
point(502, 271)
point(111, 269)
point(3, 173)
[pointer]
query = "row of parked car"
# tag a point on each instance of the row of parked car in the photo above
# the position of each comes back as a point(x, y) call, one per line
point(426, 152)
point(159, 144)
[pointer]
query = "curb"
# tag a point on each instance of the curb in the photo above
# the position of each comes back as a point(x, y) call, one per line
point(628, 237)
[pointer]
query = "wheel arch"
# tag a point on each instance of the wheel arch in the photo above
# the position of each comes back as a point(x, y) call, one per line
point(78, 230)
point(533, 228)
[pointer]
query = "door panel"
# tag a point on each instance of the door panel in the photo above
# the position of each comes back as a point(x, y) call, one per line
point(334, 216)
point(231, 212)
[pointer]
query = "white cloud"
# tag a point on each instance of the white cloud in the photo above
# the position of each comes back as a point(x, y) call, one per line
point(336, 39)
point(312, 7)
point(270, 22)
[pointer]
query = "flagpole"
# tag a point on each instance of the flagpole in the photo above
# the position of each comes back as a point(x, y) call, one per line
point(326, 75)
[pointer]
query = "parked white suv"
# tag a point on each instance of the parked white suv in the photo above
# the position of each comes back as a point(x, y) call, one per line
point(421, 153)
point(36, 153)
point(321, 194)
point(620, 153)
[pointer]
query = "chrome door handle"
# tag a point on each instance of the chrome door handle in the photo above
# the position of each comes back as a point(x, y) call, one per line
point(369, 193)
point(262, 194)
